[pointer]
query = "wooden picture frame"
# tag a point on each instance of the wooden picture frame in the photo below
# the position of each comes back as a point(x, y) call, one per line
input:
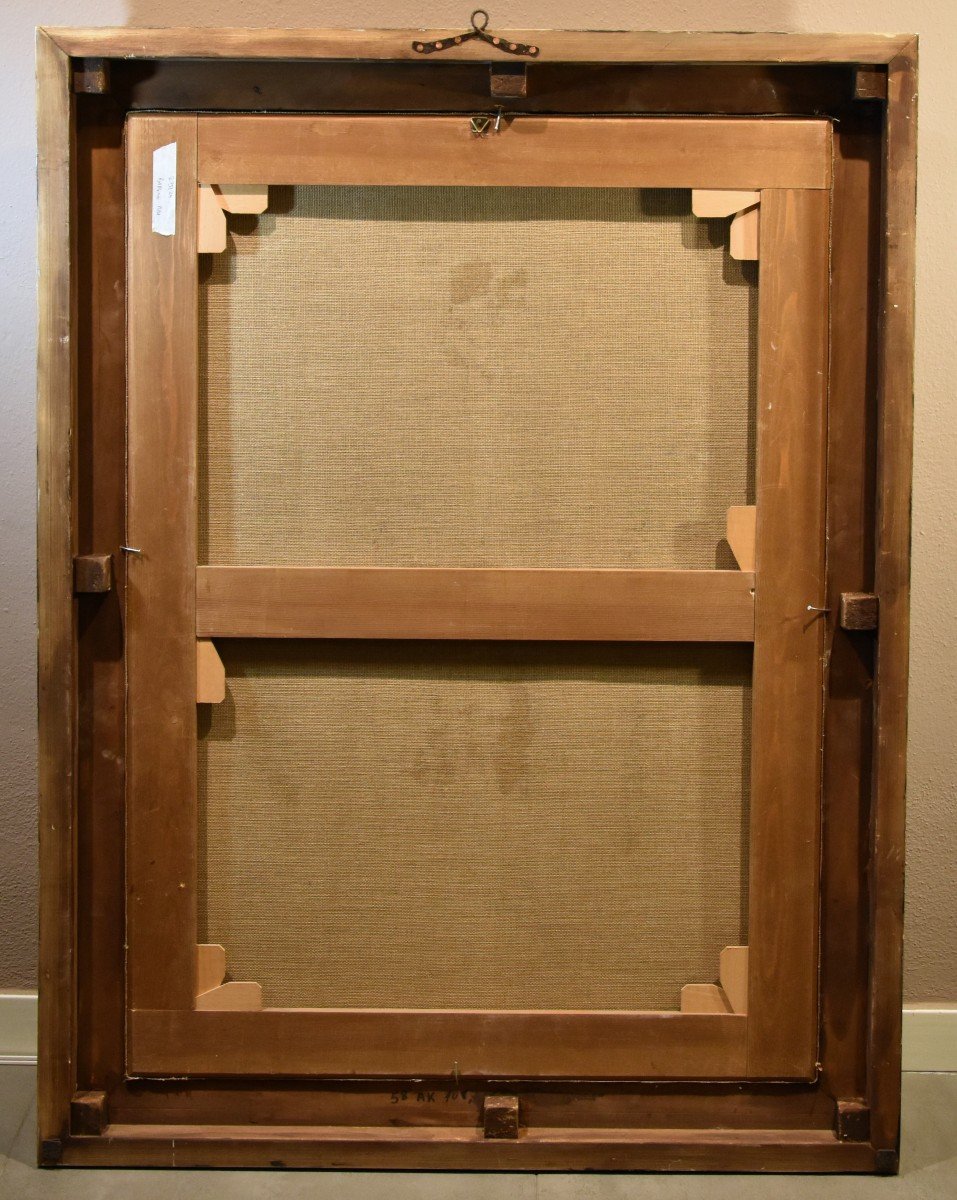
point(799, 1075)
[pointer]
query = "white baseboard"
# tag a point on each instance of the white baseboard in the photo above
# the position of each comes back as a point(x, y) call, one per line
point(930, 1033)
point(18, 1027)
point(930, 1037)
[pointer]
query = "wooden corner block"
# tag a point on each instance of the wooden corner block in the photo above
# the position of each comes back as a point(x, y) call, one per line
point(242, 197)
point(91, 76)
point(92, 573)
point(231, 997)
point(859, 610)
point(887, 1161)
point(741, 530)
point(852, 1121)
point(89, 1113)
point(704, 998)
point(210, 674)
point(743, 207)
point(51, 1152)
point(733, 973)
point(210, 223)
point(712, 202)
point(500, 1116)
point(870, 83)
point(746, 234)
point(508, 80)
point(212, 995)
point(210, 967)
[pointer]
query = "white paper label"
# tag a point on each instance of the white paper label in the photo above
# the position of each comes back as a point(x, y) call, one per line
point(164, 190)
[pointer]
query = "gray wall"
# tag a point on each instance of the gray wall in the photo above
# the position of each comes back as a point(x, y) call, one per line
point(931, 929)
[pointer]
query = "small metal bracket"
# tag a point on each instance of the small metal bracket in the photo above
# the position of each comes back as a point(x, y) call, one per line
point(484, 123)
point(479, 30)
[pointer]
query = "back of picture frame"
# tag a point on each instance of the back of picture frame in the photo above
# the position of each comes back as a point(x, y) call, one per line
point(474, 550)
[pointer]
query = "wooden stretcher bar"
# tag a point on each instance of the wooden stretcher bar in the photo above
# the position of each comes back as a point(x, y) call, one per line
point(284, 1041)
point(527, 152)
point(511, 604)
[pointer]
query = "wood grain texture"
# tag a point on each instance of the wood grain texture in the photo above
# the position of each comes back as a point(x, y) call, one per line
point(555, 45)
point(436, 86)
point(391, 1043)
point(56, 678)
point(210, 222)
point(514, 604)
point(789, 644)
point(100, 337)
point(162, 399)
point(222, 1143)
point(892, 584)
point(848, 718)
point(359, 1147)
point(643, 1105)
point(528, 152)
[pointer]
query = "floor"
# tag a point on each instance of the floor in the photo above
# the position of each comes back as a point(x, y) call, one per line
point(929, 1169)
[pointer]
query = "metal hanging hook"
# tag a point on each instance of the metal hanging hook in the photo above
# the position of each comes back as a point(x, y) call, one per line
point(480, 31)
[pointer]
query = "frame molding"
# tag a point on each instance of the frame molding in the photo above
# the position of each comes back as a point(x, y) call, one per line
point(813, 1147)
point(557, 46)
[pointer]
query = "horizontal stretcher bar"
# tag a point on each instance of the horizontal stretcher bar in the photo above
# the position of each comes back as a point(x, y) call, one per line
point(528, 151)
point(475, 603)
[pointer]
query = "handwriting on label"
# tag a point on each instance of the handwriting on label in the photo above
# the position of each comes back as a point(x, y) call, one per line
point(164, 190)
point(435, 1097)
